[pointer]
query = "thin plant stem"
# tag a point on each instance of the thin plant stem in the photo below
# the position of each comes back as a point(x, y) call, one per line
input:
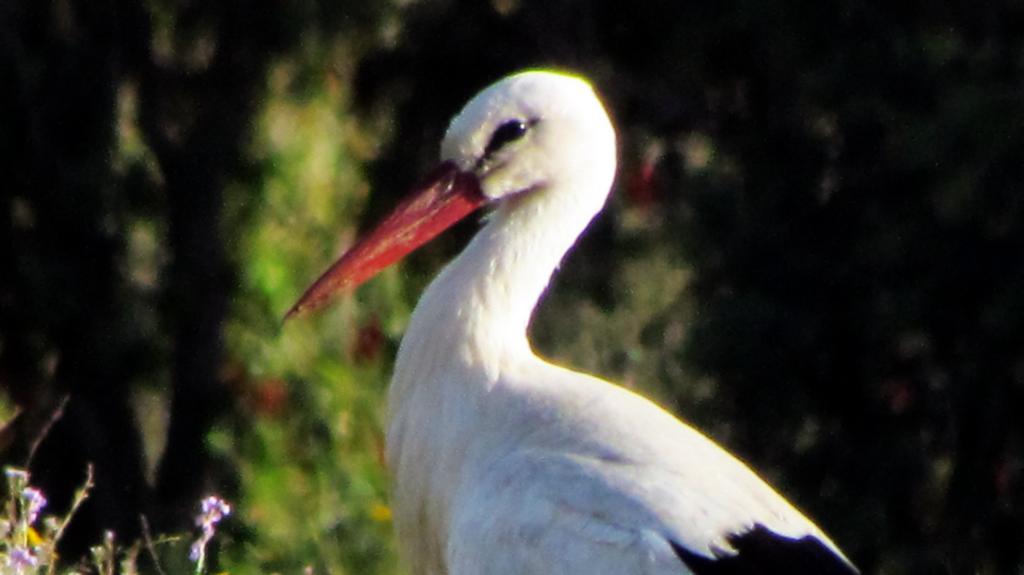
point(80, 496)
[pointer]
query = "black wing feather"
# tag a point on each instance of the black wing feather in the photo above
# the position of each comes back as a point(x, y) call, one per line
point(761, 551)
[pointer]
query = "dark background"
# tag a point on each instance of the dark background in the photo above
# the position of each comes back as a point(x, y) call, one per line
point(815, 251)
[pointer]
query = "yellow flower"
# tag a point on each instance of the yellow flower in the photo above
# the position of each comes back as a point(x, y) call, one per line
point(380, 512)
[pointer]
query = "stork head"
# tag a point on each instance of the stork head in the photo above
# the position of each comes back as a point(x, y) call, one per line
point(533, 133)
point(530, 131)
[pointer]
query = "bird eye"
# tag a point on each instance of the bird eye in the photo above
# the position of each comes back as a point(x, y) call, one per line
point(506, 133)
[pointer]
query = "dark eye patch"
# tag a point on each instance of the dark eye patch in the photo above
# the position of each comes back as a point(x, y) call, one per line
point(507, 133)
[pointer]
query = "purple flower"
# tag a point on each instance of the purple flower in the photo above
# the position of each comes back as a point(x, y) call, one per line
point(34, 503)
point(212, 510)
point(20, 560)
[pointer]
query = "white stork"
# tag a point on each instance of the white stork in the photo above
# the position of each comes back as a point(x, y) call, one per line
point(507, 464)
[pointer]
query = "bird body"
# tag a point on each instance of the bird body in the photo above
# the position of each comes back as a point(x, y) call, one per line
point(575, 472)
point(505, 463)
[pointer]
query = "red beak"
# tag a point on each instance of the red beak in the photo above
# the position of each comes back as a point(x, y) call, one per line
point(444, 198)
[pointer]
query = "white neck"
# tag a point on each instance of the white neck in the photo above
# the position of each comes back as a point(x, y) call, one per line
point(474, 316)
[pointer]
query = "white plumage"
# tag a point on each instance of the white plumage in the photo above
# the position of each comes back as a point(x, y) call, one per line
point(505, 463)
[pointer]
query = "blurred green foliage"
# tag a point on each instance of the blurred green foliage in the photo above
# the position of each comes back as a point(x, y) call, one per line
point(813, 253)
point(311, 396)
